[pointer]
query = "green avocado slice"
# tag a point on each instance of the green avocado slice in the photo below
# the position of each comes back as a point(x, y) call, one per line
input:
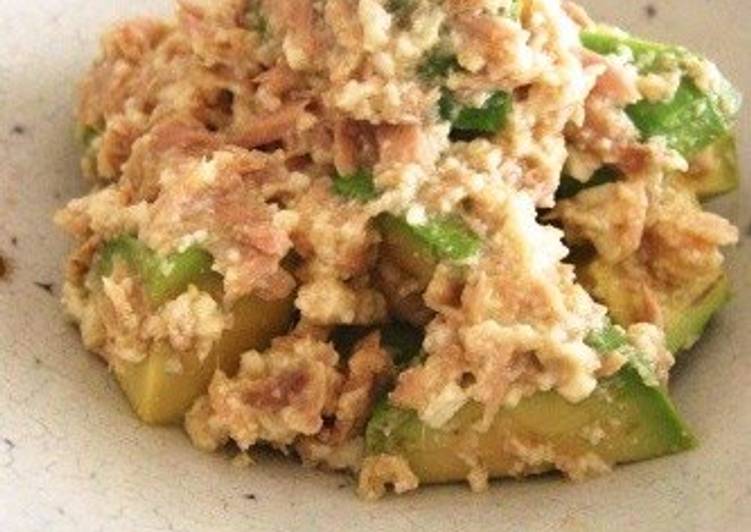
point(624, 420)
point(163, 278)
point(712, 172)
point(693, 119)
point(158, 394)
point(416, 251)
point(686, 310)
point(688, 317)
point(689, 122)
point(443, 237)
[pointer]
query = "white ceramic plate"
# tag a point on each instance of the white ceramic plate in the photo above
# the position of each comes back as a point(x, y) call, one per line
point(72, 457)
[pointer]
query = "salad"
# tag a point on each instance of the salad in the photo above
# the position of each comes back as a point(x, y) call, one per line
point(420, 241)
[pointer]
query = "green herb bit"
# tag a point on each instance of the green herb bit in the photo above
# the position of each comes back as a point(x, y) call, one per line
point(358, 186)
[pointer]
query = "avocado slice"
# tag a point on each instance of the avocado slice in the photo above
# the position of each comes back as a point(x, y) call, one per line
point(712, 172)
point(688, 312)
point(624, 420)
point(420, 247)
point(686, 309)
point(689, 122)
point(415, 251)
point(163, 278)
point(442, 236)
point(693, 119)
point(161, 396)
point(697, 124)
point(647, 56)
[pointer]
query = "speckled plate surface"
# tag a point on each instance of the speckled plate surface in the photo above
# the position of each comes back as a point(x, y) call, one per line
point(72, 457)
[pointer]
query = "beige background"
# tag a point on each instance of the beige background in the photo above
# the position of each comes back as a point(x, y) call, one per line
point(73, 458)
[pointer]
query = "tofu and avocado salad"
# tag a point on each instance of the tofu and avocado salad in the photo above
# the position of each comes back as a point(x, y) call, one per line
point(420, 241)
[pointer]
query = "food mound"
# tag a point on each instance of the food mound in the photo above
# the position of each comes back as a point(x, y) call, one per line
point(419, 240)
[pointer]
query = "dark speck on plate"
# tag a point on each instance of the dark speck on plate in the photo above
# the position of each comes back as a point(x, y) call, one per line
point(14, 240)
point(650, 10)
point(18, 129)
point(250, 496)
point(9, 443)
point(47, 287)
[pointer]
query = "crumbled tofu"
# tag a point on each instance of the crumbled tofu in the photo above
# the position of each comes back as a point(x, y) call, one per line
point(660, 87)
point(376, 23)
point(442, 408)
point(379, 471)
